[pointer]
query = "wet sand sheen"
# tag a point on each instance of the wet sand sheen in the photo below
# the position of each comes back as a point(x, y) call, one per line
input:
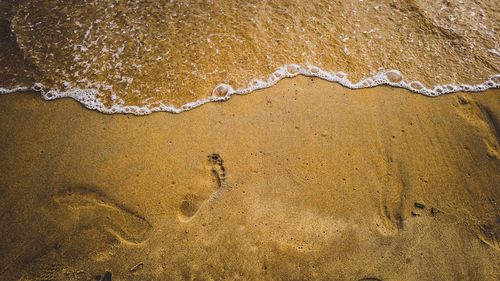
point(146, 53)
point(303, 181)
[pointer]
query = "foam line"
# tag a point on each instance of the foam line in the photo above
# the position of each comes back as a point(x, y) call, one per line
point(90, 97)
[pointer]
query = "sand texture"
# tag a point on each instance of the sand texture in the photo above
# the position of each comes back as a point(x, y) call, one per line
point(303, 181)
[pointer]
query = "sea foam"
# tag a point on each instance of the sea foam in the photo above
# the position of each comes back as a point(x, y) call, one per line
point(90, 98)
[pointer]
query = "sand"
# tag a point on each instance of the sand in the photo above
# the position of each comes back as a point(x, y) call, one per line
point(303, 181)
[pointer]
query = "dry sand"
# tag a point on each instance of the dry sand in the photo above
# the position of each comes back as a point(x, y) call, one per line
point(303, 181)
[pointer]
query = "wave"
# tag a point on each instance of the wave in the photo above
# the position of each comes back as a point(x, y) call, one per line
point(223, 92)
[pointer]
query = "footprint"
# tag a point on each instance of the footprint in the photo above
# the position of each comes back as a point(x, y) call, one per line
point(217, 169)
point(484, 119)
point(392, 199)
point(91, 226)
point(189, 207)
point(192, 203)
point(94, 210)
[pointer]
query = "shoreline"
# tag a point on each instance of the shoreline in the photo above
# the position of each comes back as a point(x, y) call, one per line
point(90, 98)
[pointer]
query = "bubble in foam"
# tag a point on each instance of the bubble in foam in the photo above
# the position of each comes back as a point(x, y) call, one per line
point(341, 75)
point(37, 87)
point(221, 90)
point(394, 76)
point(415, 85)
point(496, 79)
point(292, 69)
point(314, 70)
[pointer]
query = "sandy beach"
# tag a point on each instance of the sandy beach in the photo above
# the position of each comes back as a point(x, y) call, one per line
point(306, 180)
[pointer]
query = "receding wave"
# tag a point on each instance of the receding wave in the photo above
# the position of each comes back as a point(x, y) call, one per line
point(144, 56)
point(90, 97)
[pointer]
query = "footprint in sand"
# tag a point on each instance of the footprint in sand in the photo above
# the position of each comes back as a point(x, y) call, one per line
point(94, 210)
point(487, 123)
point(393, 206)
point(93, 225)
point(484, 119)
point(192, 203)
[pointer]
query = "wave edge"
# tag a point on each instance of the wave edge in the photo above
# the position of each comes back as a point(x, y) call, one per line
point(222, 92)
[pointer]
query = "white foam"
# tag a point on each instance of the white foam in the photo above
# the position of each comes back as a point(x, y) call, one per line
point(495, 52)
point(90, 97)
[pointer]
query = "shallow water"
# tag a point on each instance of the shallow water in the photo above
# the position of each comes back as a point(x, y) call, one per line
point(143, 56)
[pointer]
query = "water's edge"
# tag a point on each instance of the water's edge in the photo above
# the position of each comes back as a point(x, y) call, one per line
point(222, 92)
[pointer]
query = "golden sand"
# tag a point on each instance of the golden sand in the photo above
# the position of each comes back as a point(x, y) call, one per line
point(303, 181)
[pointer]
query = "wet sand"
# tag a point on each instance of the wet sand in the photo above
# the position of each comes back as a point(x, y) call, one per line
point(303, 181)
